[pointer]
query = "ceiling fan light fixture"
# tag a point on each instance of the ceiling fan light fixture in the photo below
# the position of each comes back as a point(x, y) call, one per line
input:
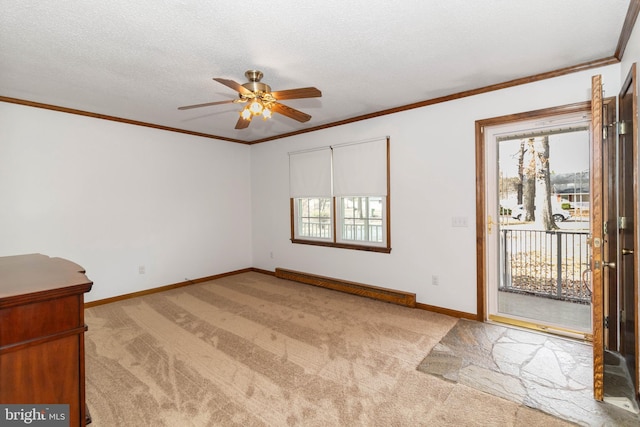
point(245, 113)
point(260, 101)
point(256, 107)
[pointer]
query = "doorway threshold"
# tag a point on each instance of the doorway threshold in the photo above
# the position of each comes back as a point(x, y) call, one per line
point(541, 327)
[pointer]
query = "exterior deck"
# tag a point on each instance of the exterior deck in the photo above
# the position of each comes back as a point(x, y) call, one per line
point(566, 314)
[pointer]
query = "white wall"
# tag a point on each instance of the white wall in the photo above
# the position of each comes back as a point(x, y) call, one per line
point(112, 197)
point(432, 180)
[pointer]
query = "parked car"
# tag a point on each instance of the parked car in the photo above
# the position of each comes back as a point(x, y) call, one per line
point(558, 213)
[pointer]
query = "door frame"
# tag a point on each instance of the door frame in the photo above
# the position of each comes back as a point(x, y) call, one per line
point(630, 87)
point(609, 173)
point(482, 225)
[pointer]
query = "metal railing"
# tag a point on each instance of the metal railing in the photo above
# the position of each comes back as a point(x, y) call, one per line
point(358, 232)
point(363, 232)
point(315, 229)
point(545, 263)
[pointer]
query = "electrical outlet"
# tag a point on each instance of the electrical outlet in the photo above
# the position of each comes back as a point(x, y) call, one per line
point(141, 269)
point(435, 280)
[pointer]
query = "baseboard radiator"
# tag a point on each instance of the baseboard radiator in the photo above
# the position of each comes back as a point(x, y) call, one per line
point(406, 299)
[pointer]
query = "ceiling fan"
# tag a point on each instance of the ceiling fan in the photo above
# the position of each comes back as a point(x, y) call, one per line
point(260, 100)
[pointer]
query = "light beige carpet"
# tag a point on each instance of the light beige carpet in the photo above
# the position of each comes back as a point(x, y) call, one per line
point(254, 350)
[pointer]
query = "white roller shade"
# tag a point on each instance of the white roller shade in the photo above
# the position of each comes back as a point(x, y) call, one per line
point(310, 173)
point(360, 169)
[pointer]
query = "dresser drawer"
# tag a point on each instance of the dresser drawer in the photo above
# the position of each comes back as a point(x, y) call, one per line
point(41, 319)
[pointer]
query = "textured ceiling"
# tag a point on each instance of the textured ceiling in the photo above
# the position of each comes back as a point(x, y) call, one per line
point(140, 60)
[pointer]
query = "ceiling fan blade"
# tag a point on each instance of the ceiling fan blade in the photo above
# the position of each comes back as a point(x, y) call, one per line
point(290, 112)
point(207, 104)
point(303, 92)
point(234, 85)
point(242, 123)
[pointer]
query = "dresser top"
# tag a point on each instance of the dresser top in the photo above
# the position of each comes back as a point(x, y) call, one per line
point(38, 277)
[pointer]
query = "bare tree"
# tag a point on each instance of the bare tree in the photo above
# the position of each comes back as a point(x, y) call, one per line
point(520, 184)
point(508, 185)
point(544, 176)
point(537, 182)
point(529, 185)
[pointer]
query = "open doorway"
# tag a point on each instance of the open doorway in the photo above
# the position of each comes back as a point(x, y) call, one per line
point(538, 254)
point(544, 226)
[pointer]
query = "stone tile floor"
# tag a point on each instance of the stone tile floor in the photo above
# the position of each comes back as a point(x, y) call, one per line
point(549, 373)
point(618, 385)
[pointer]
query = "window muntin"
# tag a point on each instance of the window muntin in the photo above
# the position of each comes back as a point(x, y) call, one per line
point(313, 218)
point(361, 220)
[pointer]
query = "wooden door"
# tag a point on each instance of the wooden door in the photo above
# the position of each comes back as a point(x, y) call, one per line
point(597, 236)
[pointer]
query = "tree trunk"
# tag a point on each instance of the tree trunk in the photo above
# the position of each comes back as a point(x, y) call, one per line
point(520, 185)
point(529, 188)
point(544, 175)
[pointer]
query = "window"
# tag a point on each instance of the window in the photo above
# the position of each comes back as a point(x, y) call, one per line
point(360, 220)
point(314, 217)
point(340, 196)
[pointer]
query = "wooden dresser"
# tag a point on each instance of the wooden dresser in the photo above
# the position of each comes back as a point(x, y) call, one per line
point(42, 333)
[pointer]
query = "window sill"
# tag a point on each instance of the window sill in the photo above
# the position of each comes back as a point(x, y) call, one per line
point(380, 249)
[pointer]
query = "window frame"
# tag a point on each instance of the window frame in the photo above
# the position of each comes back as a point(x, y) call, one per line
point(337, 221)
point(298, 219)
point(341, 221)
